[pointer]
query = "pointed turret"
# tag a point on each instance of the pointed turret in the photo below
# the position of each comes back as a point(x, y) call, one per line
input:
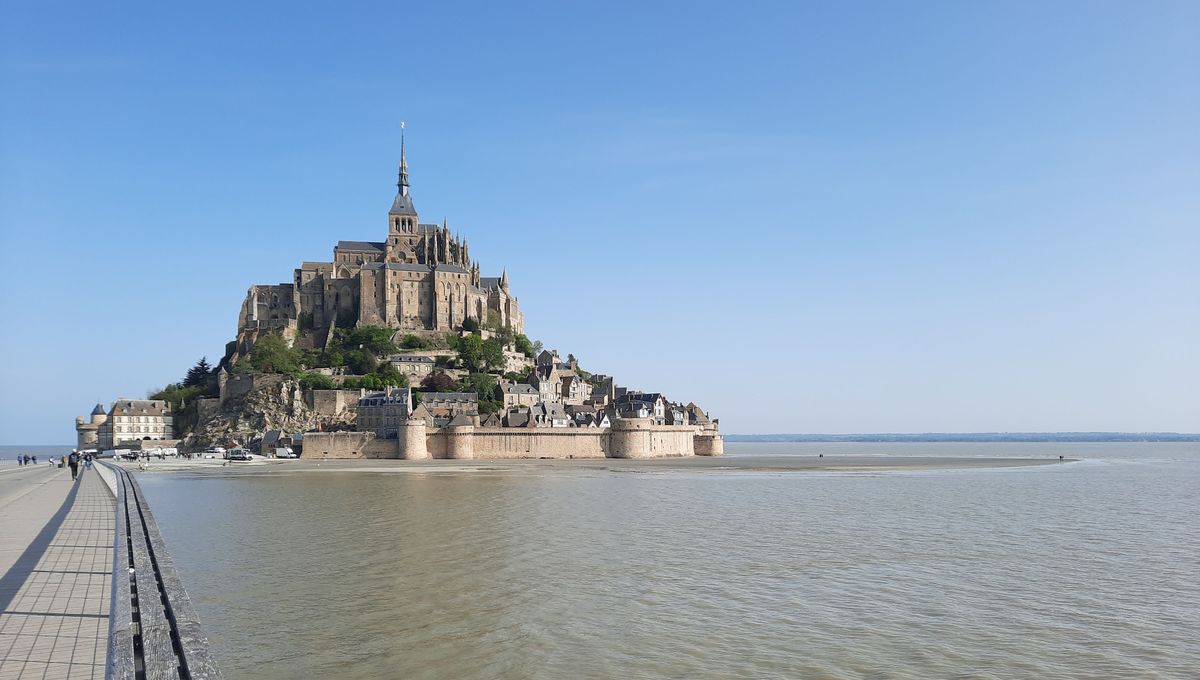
point(504, 280)
point(403, 204)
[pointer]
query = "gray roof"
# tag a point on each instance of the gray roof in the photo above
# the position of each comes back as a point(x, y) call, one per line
point(409, 359)
point(489, 282)
point(451, 268)
point(403, 205)
point(429, 227)
point(407, 267)
point(550, 410)
point(449, 396)
point(519, 388)
point(460, 419)
point(98, 411)
point(365, 246)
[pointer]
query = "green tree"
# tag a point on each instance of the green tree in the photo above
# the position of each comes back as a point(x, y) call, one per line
point(413, 342)
point(317, 381)
point(390, 375)
point(493, 354)
point(523, 345)
point(361, 361)
point(197, 375)
point(483, 385)
point(177, 395)
point(471, 352)
point(470, 324)
point(271, 354)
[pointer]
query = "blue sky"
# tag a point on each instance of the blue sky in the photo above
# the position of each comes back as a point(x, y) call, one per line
point(835, 217)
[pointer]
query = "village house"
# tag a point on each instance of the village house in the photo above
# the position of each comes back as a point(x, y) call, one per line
point(384, 412)
point(415, 366)
point(516, 394)
point(444, 406)
point(550, 414)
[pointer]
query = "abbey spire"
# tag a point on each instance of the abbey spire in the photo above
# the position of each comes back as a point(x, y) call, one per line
point(403, 204)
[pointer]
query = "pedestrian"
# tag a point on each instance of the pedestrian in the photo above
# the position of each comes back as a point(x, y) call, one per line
point(87, 462)
point(73, 461)
point(35, 460)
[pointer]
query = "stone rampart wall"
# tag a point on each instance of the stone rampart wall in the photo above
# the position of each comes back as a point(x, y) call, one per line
point(628, 438)
point(545, 442)
point(322, 445)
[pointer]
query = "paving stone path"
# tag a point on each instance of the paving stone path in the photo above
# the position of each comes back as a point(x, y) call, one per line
point(56, 552)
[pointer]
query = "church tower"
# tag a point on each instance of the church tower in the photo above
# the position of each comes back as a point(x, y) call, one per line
point(402, 218)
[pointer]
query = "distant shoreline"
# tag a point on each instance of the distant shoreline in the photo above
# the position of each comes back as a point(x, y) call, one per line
point(961, 437)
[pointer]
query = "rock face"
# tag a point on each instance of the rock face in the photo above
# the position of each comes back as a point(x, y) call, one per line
point(264, 402)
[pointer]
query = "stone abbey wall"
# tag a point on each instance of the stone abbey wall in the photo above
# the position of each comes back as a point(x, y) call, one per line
point(628, 438)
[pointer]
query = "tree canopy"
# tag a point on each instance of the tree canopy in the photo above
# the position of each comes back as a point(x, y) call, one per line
point(197, 376)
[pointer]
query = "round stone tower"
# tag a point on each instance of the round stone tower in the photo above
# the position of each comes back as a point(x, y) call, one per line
point(412, 440)
point(460, 441)
point(629, 438)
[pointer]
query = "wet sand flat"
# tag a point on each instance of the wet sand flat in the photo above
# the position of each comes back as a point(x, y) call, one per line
point(739, 463)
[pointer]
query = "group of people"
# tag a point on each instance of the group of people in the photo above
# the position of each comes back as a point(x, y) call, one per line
point(72, 461)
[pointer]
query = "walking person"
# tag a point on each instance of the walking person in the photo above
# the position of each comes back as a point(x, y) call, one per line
point(73, 461)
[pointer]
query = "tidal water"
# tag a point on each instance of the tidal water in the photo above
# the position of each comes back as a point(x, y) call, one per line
point(1080, 570)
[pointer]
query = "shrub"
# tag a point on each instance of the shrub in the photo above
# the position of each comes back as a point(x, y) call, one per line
point(413, 342)
point(317, 381)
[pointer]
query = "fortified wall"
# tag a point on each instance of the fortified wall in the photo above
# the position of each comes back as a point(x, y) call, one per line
point(627, 438)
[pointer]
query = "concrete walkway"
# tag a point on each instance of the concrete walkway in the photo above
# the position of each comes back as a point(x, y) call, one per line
point(56, 551)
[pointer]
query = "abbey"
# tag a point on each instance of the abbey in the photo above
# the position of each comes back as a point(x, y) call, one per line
point(420, 280)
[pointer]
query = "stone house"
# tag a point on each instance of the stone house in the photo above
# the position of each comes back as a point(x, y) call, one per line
point(550, 414)
point(547, 380)
point(516, 394)
point(385, 412)
point(136, 419)
point(415, 366)
point(574, 389)
point(444, 406)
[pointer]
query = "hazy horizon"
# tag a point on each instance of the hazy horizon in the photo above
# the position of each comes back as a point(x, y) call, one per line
point(870, 219)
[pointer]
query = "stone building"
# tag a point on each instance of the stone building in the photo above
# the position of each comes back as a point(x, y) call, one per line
point(128, 420)
point(516, 394)
point(444, 406)
point(384, 412)
point(416, 366)
point(421, 279)
point(87, 434)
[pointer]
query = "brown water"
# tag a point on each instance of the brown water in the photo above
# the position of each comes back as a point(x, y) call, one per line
point(1083, 570)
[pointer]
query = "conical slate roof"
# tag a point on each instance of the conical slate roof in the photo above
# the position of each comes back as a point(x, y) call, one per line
point(403, 205)
point(99, 410)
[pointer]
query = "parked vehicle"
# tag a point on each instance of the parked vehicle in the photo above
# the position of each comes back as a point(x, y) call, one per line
point(239, 454)
point(284, 452)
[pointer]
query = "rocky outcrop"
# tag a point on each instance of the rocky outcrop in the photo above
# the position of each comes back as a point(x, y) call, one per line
point(265, 402)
